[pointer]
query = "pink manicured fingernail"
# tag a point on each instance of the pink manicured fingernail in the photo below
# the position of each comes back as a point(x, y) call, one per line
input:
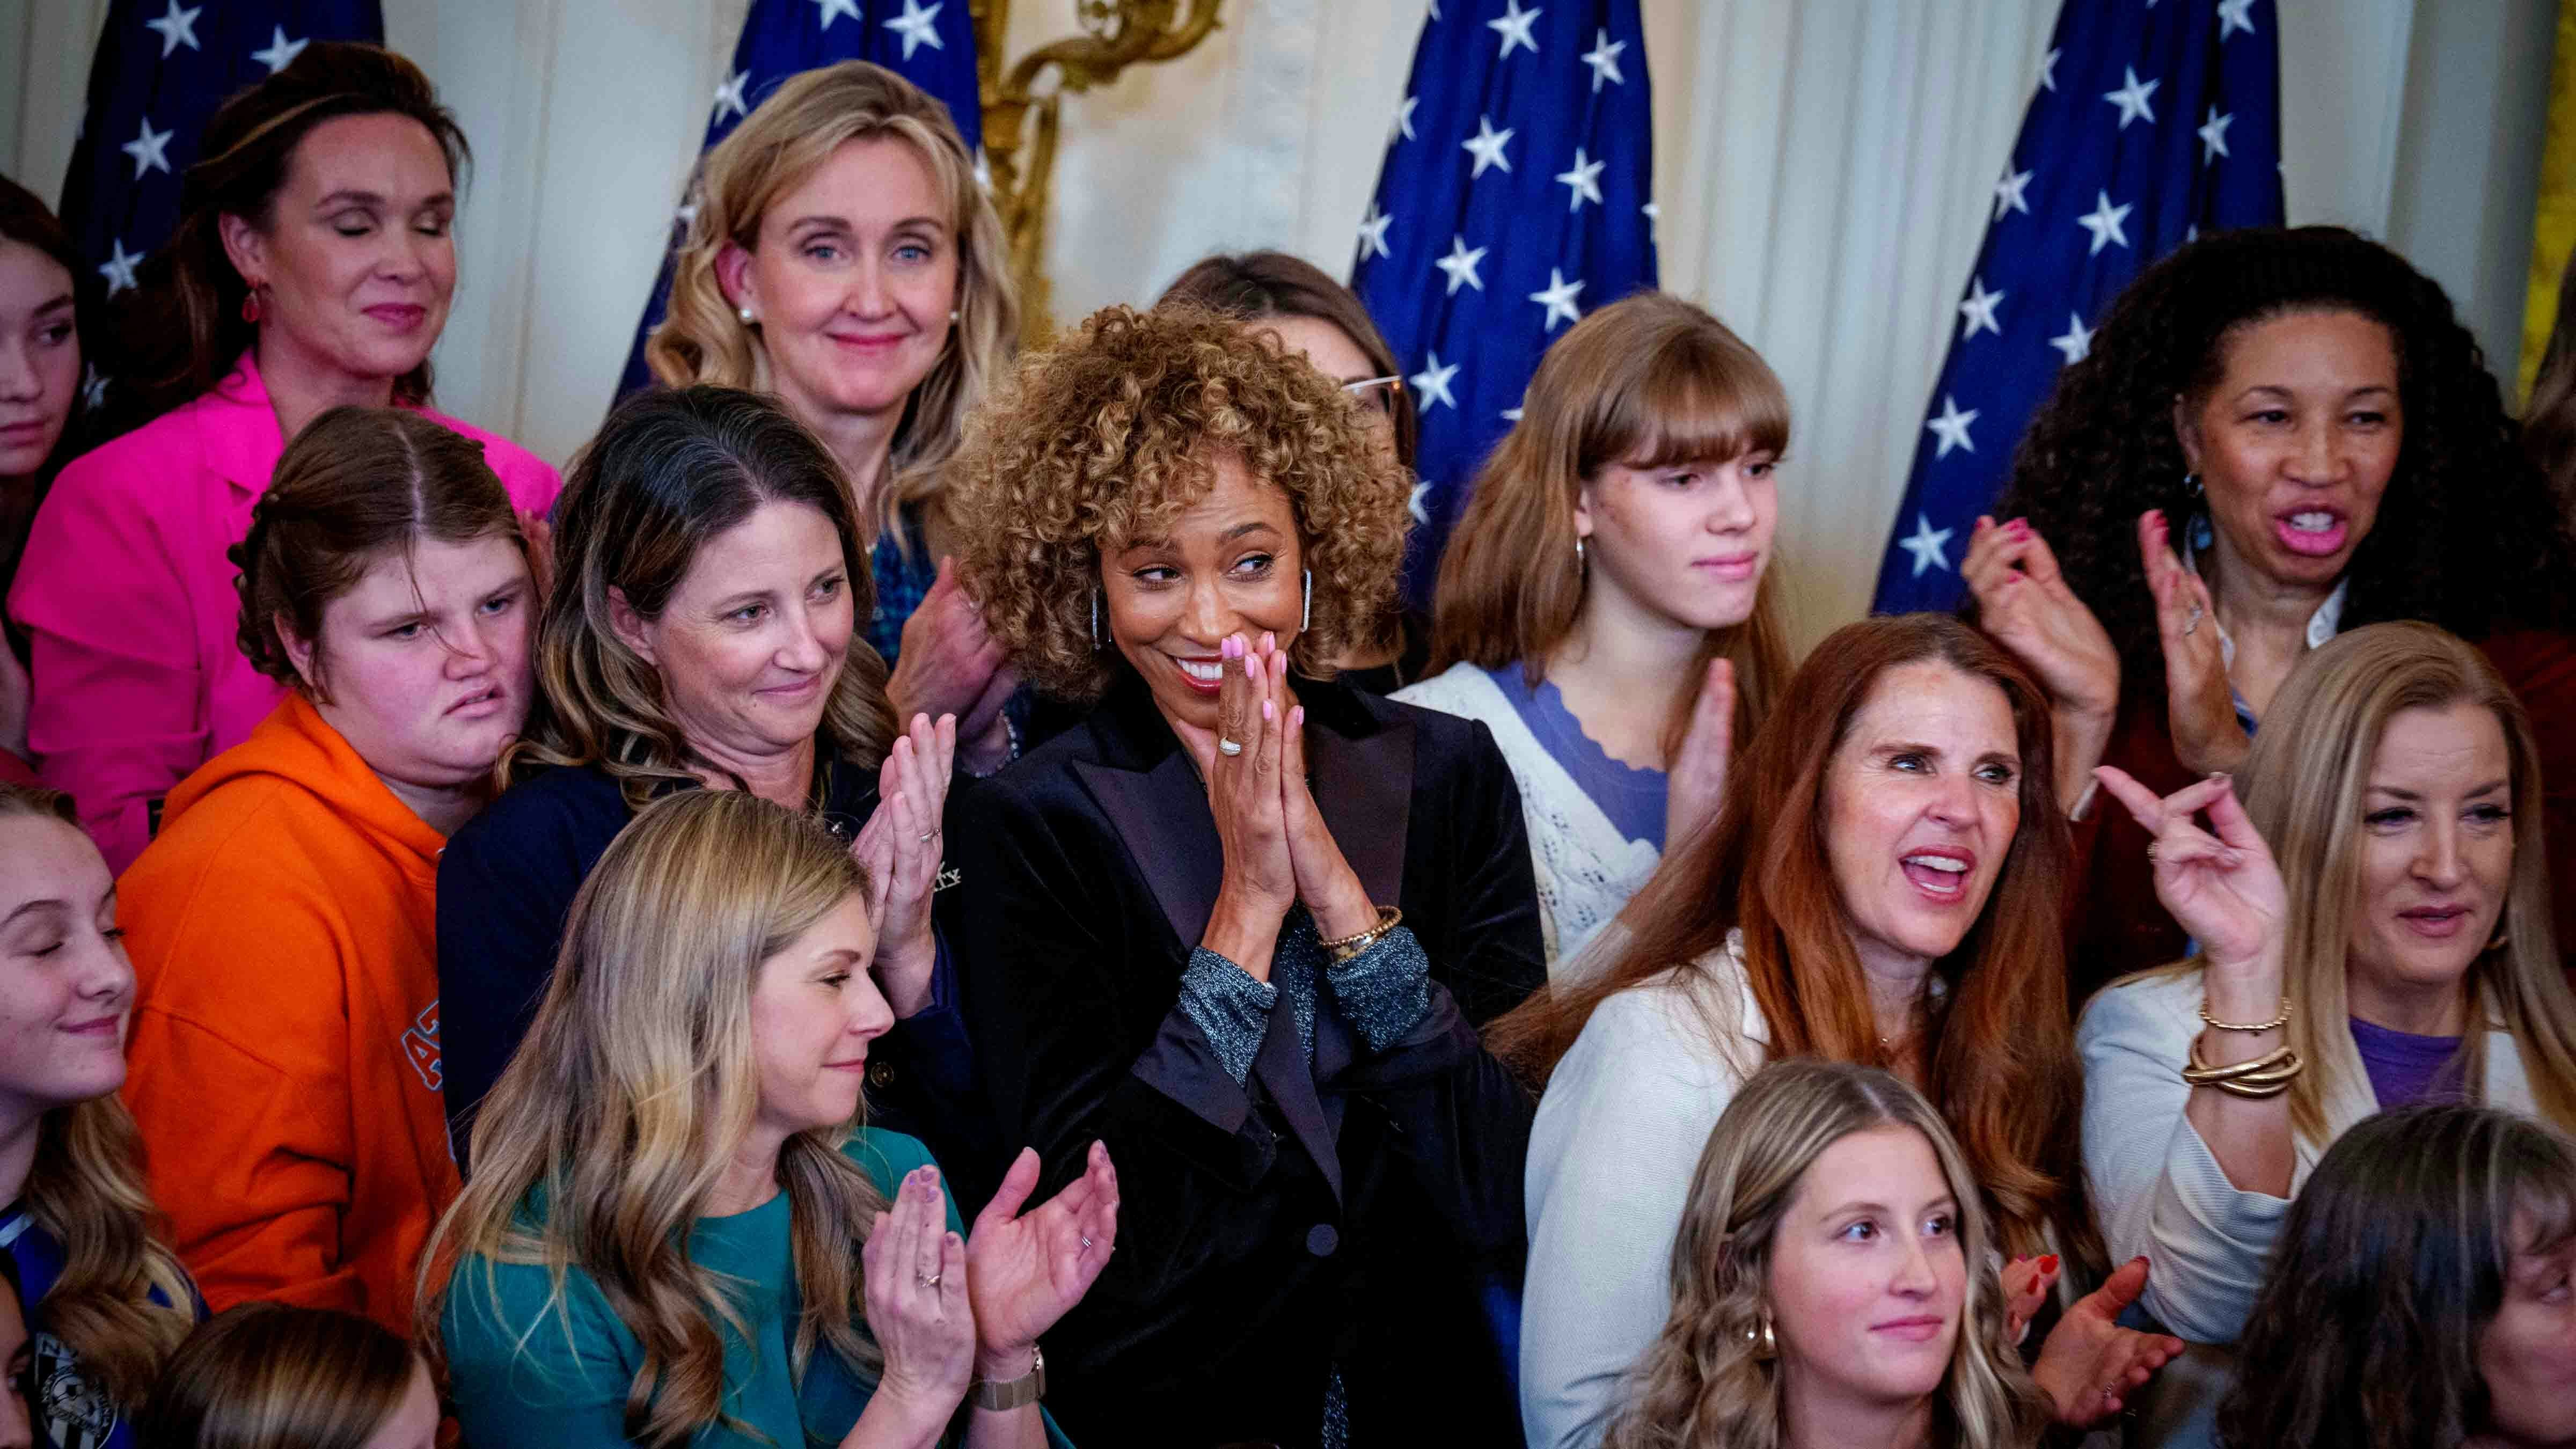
point(1269, 642)
point(1297, 716)
point(1265, 709)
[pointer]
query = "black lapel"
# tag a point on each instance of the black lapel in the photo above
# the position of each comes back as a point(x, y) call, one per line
point(1282, 1070)
point(1364, 786)
point(1162, 816)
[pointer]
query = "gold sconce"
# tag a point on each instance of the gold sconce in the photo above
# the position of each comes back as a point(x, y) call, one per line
point(1021, 122)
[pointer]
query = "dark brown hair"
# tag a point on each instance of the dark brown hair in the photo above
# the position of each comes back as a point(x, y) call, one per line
point(26, 220)
point(1647, 381)
point(268, 1376)
point(2003, 1063)
point(356, 484)
point(1254, 286)
point(183, 329)
point(671, 469)
point(2393, 1261)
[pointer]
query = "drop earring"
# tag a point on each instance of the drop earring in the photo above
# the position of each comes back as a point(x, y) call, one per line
point(1761, 1341)
point(1306, 611)
point(250, 303)
point(1095, 619)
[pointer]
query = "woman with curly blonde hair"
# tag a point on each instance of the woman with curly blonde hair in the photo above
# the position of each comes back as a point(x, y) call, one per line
point(1243, 921)
point(1829, 1283)
point(106, 1301)
point(844, 257)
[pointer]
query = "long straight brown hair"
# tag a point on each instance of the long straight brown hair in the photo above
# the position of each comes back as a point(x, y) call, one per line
point(1647, 381)
point(2003, 1067)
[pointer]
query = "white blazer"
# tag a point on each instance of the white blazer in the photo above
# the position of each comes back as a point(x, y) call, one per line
point(2160, 1191)
point(1586, 867)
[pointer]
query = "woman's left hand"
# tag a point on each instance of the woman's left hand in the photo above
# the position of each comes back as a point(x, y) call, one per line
point(1327, 887)
point(900, 846)
point(1025, 1270)
point(2200, 706)
point(2090, 1364)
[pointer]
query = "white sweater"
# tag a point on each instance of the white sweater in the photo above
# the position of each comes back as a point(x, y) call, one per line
point(1586, 867)
point(1611, 1157)
point(2160, 1191)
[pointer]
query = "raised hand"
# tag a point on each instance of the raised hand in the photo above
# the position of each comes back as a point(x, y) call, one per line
point(2026, 1285)
point(539, 531)
point(2198, 703)
point(901, 847)
point(2222, 887)
point(1695, 780)
point(2090, 1364)
point(946, 665)
point(1026, 1270)
point(1259, 883)
point(2024, 604)
point(1326, 885)
point(918, 1305)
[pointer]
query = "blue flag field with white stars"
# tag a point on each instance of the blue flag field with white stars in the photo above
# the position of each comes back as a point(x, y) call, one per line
point(2150, 124)
point(1516, 196)
point(928, 42)
point(160, 71)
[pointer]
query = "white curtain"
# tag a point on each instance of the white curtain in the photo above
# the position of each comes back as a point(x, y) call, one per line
point(1824, 169)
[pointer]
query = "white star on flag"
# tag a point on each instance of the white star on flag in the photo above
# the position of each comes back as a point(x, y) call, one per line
point(1404, 117)
point(1558, 298)
point(2233, 17)
point(1979, 309)
point(2048, 71)
point(1514, 28)
point(729, 99)
point(2104, 223)
point(178, 27)
point(118, 268)
point(1951, 428)
point(916, 26)
point(834, 9)
point(1487, 147)
point(2213, 136)
point(281, 51)
point(1513, 415)
point(1373, 233)
point(1413, 501)
point(1603, 57)
point(1431, 384)
point(1925, 545)
point(1584, 182)
point(1460, 264)
point(2076, 342)
point(2008, 193)
point(147, 150)
point(2131, 98)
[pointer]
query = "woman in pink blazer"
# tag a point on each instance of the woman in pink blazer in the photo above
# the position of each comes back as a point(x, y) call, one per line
point(312, 266)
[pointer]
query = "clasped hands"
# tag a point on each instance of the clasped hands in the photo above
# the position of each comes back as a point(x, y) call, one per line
point(901, 846)
point(1278, 851)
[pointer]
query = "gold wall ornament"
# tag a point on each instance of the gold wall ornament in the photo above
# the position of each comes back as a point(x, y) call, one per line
point(1021, 121)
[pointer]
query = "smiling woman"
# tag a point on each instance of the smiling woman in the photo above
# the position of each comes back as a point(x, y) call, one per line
point(292, 1114)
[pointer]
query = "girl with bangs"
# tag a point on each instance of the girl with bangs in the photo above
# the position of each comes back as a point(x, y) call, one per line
point(1602, 605)
point(1881, 887)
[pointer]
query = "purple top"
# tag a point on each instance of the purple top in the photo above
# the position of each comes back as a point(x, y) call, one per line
point(2407, 1068)
point(1632, 798)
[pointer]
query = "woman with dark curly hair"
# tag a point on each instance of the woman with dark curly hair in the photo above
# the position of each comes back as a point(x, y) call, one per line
point(2421, 1291)
point(1261, 993)
point(2279, 434)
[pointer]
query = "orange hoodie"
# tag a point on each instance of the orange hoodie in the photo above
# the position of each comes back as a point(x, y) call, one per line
point(283, 1060)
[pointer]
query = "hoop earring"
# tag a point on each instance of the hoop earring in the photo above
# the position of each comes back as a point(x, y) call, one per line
point(1578, 553)
point(2503, 935)
point(1306, 613)
point(1095, 618)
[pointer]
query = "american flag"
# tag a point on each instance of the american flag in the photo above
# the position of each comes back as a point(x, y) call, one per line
point(2150, 123)
point(928, 42)
point(1517, 195)
point(161, 69)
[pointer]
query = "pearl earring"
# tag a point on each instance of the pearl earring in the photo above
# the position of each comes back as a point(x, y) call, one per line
point(952, 316)
point(748, 320)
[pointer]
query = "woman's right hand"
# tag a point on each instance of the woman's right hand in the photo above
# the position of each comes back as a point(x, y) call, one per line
point(918, 1307)
point(1260, 875)
point(947, 659)
point(1695, 785)
point(2024, 604)
point(2200, 706)
point(2223, 887)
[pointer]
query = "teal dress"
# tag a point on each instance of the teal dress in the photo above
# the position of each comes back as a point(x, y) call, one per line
point(518, 1378)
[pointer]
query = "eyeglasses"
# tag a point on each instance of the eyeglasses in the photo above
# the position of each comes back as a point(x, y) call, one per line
point(1377, 392)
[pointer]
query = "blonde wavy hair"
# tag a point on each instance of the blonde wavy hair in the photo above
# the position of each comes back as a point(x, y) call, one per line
point(1702, 1385)
point(1110, 436)
point(636, 1082)
point(123, 1303)
point(775, 150)
point(2305, 787)
point(670, 470)
point(1648, 381)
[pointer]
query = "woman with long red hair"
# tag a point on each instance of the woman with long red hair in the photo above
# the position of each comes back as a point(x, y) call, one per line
point(1882, 888)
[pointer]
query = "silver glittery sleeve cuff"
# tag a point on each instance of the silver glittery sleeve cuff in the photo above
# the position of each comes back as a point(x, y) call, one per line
point(1230, 1009)
point(1384, 991)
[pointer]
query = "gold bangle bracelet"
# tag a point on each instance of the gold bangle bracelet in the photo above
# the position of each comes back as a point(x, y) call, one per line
point(2275, 1024)
point(2273, 1070)
point(2253, 1090)
point(1387, 919)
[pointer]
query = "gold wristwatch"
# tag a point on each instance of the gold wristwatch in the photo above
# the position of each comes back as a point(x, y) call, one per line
point(1028, 1388)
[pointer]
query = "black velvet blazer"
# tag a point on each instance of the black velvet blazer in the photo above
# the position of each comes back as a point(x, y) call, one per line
point(1360, 1215)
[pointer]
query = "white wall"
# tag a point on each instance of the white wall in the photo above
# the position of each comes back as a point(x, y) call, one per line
point(1823, 168)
